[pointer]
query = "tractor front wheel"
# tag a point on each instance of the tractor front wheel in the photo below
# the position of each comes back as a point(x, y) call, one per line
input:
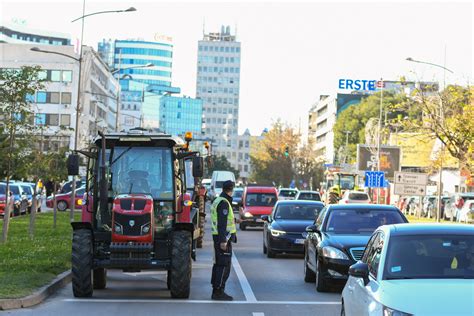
point(82, 263)
point(180, 272)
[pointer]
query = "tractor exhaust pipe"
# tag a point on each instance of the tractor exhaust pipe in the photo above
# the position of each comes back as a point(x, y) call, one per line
point(103, 178)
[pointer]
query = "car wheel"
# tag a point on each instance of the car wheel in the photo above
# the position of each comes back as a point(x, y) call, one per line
point(264, 248)
point(321, 284)
point(62, 206)
point(343, 310)
point(242, 226)
point(309, 275)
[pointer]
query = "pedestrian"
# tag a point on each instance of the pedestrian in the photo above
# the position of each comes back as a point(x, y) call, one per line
point(223, 234)
point(49, 187)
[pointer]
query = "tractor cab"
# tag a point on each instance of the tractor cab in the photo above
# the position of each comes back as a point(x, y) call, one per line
point(138, 213)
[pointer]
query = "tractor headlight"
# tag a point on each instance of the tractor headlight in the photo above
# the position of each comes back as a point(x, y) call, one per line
point(146, 229)
point(277, 233)
point(118, 228)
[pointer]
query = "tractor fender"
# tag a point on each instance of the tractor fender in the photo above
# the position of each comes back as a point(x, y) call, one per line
point(81, 225)
point(184, 226)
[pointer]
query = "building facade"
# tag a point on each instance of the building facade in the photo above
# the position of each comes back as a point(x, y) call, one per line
point(218, 86)
point(19, 34)
point(54, 107)
point(322, 118)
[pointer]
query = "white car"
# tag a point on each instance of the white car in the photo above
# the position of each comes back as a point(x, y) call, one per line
point(287, 194)
point(308, 196)
point(466, 214)
point(413, 269)
point(354, 197)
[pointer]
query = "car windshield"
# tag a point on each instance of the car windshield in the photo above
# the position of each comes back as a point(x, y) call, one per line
point(430, 257)
point(309, 196)
point(360, 221)
point(358, 196)
point(237, 194)
point(219, 184)
point(297, 211)
point(146, 170)
point(287, 193)
point(260, 199)
point(347, 182)
point(15, 189)
point(27, 189)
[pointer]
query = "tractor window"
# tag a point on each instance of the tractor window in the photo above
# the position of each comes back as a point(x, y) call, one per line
point(142, 170)
point(347, 182)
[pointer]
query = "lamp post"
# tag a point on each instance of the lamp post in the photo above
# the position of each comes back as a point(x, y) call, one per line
point(438, 214)
point(79, 60)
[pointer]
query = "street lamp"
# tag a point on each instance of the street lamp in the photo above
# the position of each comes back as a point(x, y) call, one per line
point(438, 217)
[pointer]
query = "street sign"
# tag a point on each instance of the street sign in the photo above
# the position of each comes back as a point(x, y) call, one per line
point(411, 178)
point(410, 189)
point(374, 179)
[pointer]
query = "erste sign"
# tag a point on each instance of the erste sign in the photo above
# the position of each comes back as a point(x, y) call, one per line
point(357, 84)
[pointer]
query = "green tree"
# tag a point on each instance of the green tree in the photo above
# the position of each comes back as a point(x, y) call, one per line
point(220, 163)
point(355, 118)
point(16, 119)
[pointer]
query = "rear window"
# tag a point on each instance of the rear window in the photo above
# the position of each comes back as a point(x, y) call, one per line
point(287, 193)
point(358, 196)
point(309, 196)
point(360, 221)
point(260, 199)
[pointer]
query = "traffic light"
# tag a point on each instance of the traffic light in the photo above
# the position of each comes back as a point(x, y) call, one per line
point(287, 151)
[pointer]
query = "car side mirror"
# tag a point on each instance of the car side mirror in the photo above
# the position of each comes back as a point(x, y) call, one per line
point(265, 218)
point(73, 165)
point(198, 167)
point(312, 229)
point(360, 270)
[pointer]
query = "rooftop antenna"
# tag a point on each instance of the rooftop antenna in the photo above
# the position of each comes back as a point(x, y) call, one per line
point(235, 31)
point(203, 27)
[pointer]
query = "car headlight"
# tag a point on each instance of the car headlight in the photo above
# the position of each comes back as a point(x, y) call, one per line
point(277, 233)
point(248, 214)
point(118, 228)
point(334, 253)
point(387, 311)
point(146, 228)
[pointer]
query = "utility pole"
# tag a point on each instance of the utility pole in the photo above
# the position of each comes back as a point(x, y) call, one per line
point(379, 138)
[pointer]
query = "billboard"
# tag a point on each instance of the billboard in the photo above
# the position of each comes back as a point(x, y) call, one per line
point(389, 159)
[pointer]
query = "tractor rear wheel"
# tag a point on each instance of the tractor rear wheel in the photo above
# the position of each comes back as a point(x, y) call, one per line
point(333, 198)
point(100, 278)
point(180, 272)
point(82, 263)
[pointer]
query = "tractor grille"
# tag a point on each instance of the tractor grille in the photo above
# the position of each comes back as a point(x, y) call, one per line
point(126, 204)
point(132, 224)
point(357, 253)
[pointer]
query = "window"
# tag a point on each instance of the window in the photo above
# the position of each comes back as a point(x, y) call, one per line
point(240, 156)
point(52, 119)
point(66, 97)
point(43, 74)
point(56, 75)
point(67, 76)
point(246, 168)
point(65, 120)
point(41, 97)
point(227, 49)
point(54, 97)
point(178, 115)
point(40, 119)
point(372, 254)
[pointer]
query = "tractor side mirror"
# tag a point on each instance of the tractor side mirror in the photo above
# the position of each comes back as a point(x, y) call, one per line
point(198, 167)
point(73, 165)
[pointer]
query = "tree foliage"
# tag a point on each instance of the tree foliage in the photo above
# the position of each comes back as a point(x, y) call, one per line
point(220, 163)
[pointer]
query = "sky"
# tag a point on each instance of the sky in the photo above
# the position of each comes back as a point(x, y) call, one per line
point(292, 52)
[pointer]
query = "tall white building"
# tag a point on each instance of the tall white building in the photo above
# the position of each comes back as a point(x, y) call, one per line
point(218, 85)
point(323, 116)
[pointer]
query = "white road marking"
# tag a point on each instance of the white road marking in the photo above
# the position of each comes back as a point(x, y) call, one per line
point(161, 301)
point(258, 314)
point(244, 283)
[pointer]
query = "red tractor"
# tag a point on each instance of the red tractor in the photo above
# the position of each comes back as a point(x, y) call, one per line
point(138, 210)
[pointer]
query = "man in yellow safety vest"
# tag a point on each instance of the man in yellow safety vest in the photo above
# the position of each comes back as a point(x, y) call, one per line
point(223, 234)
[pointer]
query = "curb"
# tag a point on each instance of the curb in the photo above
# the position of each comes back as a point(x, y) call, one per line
point(38, 296)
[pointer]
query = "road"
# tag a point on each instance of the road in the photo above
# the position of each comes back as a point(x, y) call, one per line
point(260, 287)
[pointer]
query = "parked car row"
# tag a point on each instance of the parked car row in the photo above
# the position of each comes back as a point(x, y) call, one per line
point(22, 194)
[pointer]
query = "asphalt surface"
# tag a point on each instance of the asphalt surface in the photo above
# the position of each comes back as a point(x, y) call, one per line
point(260, 287)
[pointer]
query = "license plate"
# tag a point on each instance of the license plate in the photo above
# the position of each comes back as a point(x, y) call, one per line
point(299, 241)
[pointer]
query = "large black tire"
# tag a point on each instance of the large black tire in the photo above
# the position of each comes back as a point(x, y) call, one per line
point(82, 263)
point(100, 278)
point(180, 272)
point(333, 198)
point(309, 275)
point(62, 206)
point(321, 284)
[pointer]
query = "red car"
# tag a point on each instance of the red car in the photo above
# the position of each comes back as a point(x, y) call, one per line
point(256, 201)
point(64, 199)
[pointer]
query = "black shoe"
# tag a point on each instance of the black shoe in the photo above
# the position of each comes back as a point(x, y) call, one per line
point(220, 295)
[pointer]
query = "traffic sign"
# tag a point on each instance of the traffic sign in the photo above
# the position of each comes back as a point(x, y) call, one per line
point(374, 179)
point(411, 178)
point(410, 189)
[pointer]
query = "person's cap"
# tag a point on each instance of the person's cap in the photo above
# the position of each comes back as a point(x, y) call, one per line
point(228, 185)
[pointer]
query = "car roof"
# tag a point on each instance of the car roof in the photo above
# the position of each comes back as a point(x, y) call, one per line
point(308, 191)
point(361, 206)
point(287, 202)
point(287, 189)
point(260, 189)
point(430, 229)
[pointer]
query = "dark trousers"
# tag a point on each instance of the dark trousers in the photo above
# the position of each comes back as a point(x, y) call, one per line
point(222, 265)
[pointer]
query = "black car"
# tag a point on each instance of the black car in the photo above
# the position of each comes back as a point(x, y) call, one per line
point(285, 229)
point(338, 237)
point(237, 199)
